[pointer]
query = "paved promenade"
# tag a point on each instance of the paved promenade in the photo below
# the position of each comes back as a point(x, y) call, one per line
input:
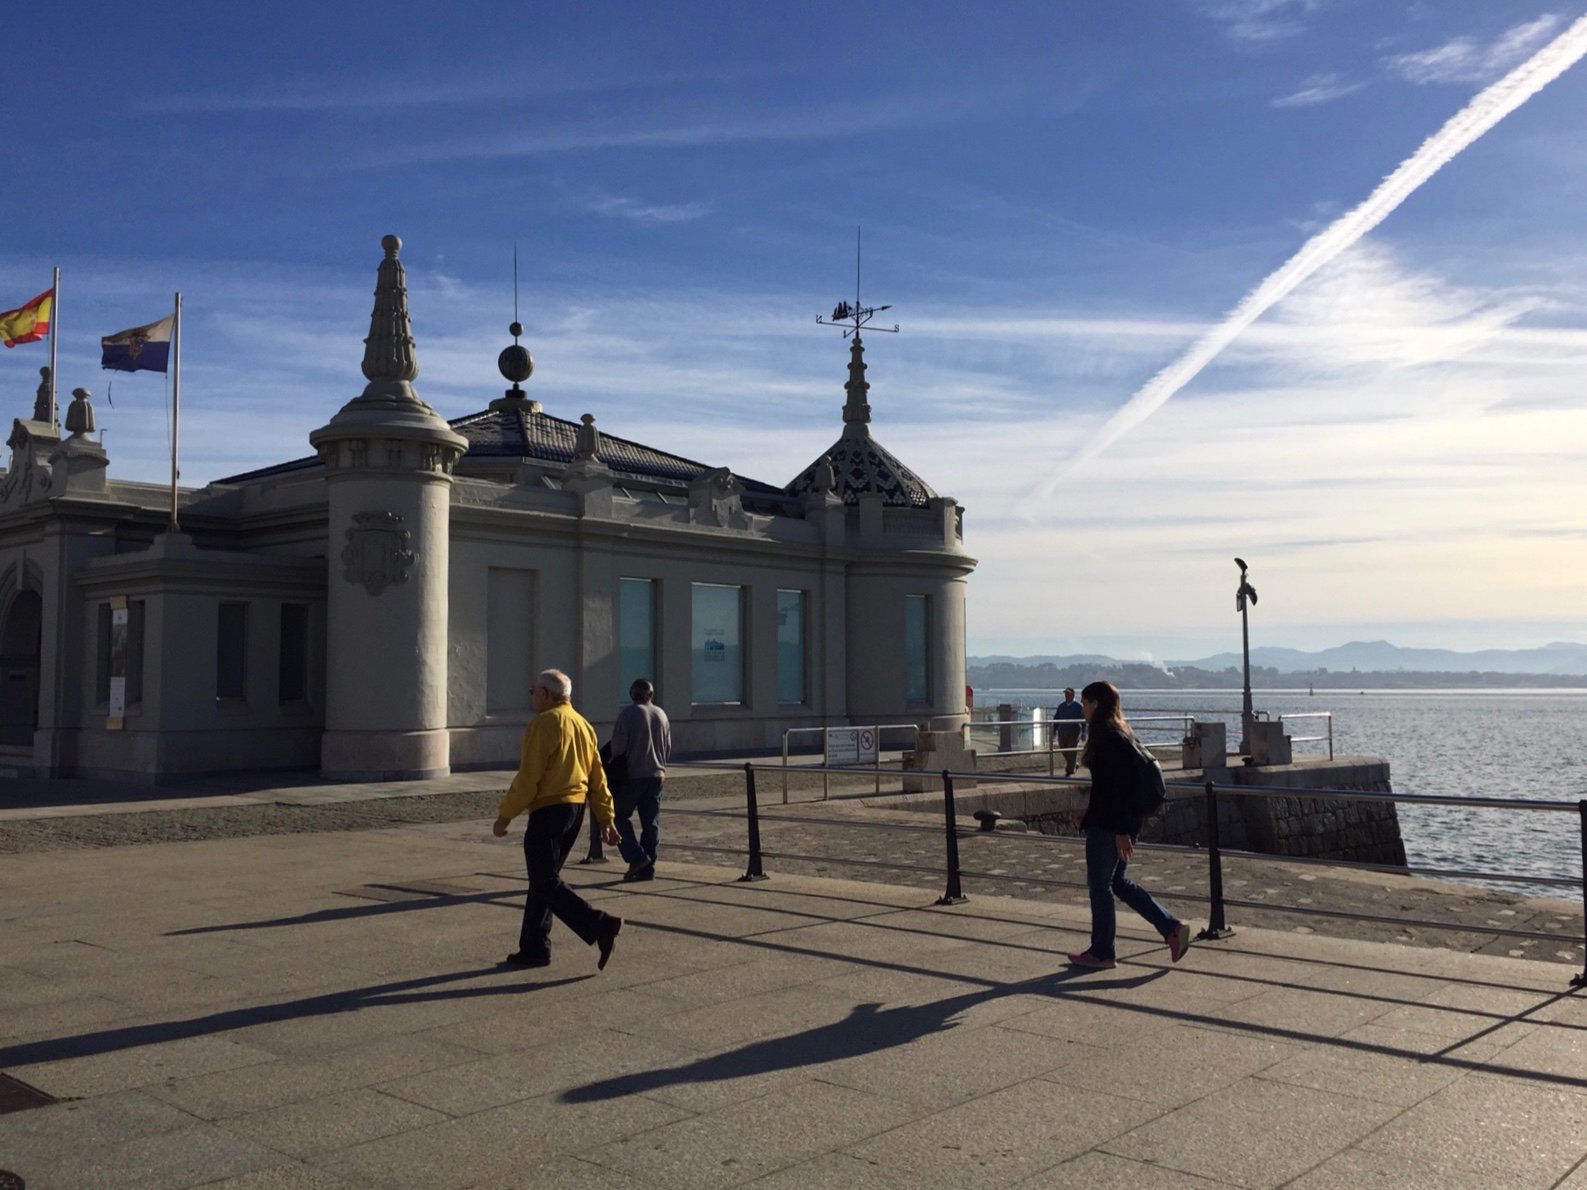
point(324, 1011)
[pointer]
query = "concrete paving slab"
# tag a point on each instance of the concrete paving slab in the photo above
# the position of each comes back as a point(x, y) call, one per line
point(566, 1173)
point(331, 1122)
point(269, 1084)
point(292, 1176)
point(1174, 1066)
point(1356, 1168)
point(138, 1066)
point(941, 1064)
point(1298, 1129)
point(1505, 1129)
point(192, 1156)
point(743, 1141)
point(1004, 1137)
point(1104, 1171)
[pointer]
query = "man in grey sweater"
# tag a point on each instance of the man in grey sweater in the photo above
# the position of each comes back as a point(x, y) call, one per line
point(642, 737)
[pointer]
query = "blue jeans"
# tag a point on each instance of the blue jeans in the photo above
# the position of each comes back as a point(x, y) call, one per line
point(644, 795)
point(1105, 880)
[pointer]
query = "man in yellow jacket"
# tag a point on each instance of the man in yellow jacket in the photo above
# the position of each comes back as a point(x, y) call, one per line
point(559, 767)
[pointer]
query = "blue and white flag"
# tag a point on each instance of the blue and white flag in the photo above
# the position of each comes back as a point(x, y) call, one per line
point(142, 349)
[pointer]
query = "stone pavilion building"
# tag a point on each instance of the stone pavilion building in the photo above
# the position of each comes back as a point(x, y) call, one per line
point(377, 610)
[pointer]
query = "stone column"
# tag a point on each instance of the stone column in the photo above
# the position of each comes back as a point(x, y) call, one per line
point(388, 468)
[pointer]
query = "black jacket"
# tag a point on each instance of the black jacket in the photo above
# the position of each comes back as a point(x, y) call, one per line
point(1112, 773)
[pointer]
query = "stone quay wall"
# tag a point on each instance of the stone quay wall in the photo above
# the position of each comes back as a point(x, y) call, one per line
point(1308, 827)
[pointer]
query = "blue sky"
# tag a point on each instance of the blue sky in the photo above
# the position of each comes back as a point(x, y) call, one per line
point(1057, 200)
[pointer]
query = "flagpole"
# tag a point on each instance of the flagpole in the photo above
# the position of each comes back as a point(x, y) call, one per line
point(176, 401)
point(55, 317)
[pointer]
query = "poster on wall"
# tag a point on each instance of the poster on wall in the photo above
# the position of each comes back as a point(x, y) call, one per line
point(119, 630)
point(717, 652)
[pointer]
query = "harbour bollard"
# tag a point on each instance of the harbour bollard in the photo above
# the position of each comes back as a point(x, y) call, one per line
point(597, 853)
point(1216, 926)
point(754, 871)
point(1581, 808)
point(954, 894)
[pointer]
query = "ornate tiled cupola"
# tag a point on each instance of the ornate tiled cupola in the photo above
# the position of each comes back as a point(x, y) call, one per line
point(388, 461)
point(859, 464)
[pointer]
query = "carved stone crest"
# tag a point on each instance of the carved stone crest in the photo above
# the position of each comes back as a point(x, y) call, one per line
point(377, 555)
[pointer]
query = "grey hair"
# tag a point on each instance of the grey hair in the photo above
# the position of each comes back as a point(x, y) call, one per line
point(556, 683)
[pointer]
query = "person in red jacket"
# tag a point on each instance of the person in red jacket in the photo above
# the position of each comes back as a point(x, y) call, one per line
point(1110, 827)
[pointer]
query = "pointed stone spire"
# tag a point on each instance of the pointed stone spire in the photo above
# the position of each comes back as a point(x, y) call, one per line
point(389, 352)
point(388, 413)
point(856, 410)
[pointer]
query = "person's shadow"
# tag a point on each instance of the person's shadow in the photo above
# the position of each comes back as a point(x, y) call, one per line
point(867, 1029)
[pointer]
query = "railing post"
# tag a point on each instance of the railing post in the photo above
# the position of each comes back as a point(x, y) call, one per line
point(753, 872)
point(597, 854)
point(785, 768)
point(1581, 809)
point(826, 762)
point(954, 894)
point(1330, 736)
point(1217, 927)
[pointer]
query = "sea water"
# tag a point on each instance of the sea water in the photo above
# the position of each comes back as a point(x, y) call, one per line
point(1476, 743)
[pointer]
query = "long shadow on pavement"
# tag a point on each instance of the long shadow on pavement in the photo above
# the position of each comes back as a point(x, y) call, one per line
point(867, 1029)
point(378, 996)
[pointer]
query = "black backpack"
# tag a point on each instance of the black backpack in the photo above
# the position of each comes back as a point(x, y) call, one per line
point(1147, 792)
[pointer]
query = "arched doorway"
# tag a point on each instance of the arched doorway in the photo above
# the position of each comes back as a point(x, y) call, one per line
point(19, 669)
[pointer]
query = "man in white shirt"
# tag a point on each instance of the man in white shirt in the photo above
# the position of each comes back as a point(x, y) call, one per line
point(642, 739)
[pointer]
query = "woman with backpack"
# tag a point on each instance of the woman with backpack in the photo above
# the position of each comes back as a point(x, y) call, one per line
point(1112, 821)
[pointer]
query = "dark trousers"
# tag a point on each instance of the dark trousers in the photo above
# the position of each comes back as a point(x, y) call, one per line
point(1068, 744)
point(641, 794)
point(550, 834)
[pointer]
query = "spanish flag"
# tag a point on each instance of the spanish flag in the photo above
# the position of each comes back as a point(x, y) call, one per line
point(29, 323)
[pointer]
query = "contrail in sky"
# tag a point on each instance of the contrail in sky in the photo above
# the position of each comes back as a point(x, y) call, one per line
point(1488, 107)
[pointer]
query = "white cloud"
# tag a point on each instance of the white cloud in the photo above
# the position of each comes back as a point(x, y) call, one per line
point(1320, 88)
point(1258, 22)
point(1466, 60)
point(642, 212)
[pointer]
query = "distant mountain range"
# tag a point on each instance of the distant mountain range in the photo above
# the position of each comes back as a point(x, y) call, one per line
point(1378, 656)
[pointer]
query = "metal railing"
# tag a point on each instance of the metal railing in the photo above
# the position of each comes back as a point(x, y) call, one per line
point(1053, 726)
point(1217, 901)
point(826, 751)
point(1328, 716)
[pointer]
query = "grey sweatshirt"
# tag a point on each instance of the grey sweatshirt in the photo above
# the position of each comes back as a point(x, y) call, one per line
point(644, 737)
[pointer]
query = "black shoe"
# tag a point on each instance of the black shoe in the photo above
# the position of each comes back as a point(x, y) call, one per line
point(635, 875)
point(606, 938)
point(518, 959)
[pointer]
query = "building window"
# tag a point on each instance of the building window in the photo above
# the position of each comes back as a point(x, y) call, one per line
point(231, 653)
point(716, 653)
point(294, 671)
point(917, 648)
point(791, 646)
point(636, 634)
point(131, 662)
point(509, 641)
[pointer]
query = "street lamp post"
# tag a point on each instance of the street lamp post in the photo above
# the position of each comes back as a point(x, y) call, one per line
point(1246, 591)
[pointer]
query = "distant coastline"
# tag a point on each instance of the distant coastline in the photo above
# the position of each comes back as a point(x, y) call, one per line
point(1129, 675)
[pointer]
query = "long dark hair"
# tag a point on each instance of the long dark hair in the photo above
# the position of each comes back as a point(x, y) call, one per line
point(1109, 715)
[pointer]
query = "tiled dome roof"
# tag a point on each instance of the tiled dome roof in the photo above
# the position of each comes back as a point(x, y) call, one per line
point(862, 464)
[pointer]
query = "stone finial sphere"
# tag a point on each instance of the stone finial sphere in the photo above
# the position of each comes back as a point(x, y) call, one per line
point(515, 329)
point(392, 244)
point(515, 363)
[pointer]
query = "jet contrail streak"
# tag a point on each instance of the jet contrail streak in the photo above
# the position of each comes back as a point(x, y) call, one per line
point(1485, 110)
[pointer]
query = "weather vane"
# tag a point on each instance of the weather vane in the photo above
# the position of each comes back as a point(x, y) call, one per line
point(857, 315)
